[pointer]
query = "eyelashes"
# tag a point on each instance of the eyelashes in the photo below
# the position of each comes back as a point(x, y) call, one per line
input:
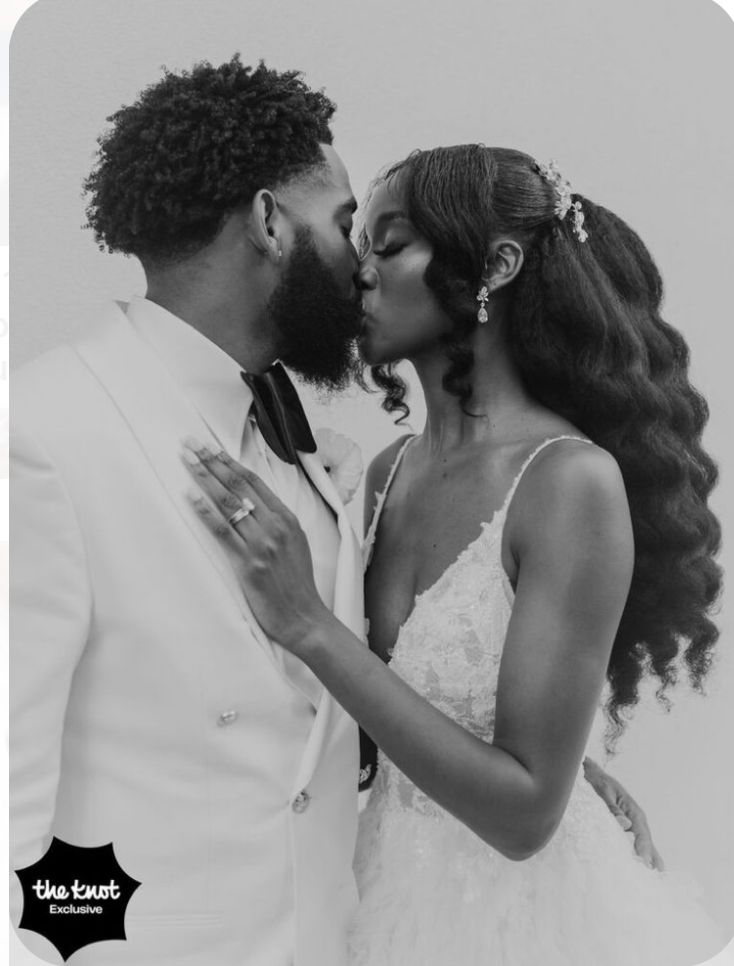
point(366, 248)
point(388, 250)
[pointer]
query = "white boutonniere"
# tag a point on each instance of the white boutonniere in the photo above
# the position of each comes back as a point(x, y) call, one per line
point(342, 460)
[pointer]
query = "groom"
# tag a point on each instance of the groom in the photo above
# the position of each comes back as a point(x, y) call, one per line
point(148, 708)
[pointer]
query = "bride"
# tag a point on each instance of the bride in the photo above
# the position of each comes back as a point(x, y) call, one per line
point(547, 533)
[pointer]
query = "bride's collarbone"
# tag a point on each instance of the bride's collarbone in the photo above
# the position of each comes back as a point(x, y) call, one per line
point(426, 524)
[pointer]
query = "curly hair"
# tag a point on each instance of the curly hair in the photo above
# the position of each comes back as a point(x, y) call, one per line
point(585, 332)
point(194, 147)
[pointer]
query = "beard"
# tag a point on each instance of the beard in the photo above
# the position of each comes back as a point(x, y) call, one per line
point(316, 327)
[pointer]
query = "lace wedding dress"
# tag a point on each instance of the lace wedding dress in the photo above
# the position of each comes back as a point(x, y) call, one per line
point(433, 893)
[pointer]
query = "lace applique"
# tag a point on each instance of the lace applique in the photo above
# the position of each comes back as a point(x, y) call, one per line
point(447, 649)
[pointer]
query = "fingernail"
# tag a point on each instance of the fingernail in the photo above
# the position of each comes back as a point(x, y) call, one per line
point(196, 446)
point(189, 457)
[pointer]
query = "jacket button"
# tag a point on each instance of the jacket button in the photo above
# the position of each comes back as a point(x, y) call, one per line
point(301, 801)
point(226, 717)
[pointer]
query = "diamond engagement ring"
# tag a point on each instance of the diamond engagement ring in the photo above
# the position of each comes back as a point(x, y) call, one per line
point(241, 512)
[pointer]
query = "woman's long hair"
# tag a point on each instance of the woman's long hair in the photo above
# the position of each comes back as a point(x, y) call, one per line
point(585, 332)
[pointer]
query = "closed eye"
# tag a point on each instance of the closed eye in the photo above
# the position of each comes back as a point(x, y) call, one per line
point(388, 250)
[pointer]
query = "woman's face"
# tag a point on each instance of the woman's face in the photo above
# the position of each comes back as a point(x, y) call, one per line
point(403, 319)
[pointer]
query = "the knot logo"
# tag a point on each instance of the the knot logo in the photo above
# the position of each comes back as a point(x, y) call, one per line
point(74, 896)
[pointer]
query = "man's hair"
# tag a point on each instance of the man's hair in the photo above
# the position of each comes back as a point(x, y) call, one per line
point(193, 148)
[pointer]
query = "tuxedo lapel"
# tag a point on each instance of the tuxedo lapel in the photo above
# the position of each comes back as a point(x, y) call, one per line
point(160, 417)
point(348, 607)
point(348, 591)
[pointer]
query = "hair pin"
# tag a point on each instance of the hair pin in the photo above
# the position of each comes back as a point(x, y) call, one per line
point(564, 201)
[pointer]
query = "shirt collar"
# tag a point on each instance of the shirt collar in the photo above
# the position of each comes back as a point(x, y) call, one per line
point(208, 376)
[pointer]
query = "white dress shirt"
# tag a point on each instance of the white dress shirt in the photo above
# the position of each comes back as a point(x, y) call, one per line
point(211, 381)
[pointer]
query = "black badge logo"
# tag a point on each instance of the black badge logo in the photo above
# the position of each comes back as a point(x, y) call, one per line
point(74, 896)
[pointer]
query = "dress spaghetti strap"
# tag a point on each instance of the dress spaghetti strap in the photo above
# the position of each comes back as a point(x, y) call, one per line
point(369, 539)
point(529, 460)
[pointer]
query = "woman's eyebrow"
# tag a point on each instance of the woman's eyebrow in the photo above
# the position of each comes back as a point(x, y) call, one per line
point(383, 220)
point(388, 216)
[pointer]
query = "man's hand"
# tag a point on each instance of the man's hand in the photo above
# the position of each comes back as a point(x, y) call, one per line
point(626, 810)
point(267, 546)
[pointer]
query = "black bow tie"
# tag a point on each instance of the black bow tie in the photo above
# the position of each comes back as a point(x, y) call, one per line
point(279, 413)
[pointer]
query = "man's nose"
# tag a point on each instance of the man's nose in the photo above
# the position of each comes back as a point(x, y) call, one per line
point(366, 277)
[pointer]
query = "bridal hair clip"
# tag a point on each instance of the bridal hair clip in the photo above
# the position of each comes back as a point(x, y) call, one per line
point(564, 203)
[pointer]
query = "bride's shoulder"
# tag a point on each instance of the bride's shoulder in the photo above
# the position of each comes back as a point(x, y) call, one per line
point(574, 464)
point(568, 482)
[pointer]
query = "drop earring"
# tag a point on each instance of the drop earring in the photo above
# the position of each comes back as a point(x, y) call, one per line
point(482, 298)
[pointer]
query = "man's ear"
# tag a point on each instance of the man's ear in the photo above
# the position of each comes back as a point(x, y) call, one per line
point(504, 262)
point(265, 218)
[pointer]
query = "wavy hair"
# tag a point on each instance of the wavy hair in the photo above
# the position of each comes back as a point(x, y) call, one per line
point(194, 147)
point(585, 332)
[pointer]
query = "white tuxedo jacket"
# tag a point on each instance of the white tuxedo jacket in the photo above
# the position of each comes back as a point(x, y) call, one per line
point(147, 707)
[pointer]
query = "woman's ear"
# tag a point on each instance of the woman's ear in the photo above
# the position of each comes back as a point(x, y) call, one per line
point(504, 262)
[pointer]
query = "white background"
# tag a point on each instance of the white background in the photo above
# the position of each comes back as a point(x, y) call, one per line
point(630, 98)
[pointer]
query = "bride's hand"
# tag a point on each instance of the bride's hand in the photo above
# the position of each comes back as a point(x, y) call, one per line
point(268, 548)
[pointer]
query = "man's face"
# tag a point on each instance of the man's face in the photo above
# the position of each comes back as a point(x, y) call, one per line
point(325, 205)
point(316, 307)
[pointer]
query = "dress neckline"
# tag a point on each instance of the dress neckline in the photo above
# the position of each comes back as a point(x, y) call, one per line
point(486, 526)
